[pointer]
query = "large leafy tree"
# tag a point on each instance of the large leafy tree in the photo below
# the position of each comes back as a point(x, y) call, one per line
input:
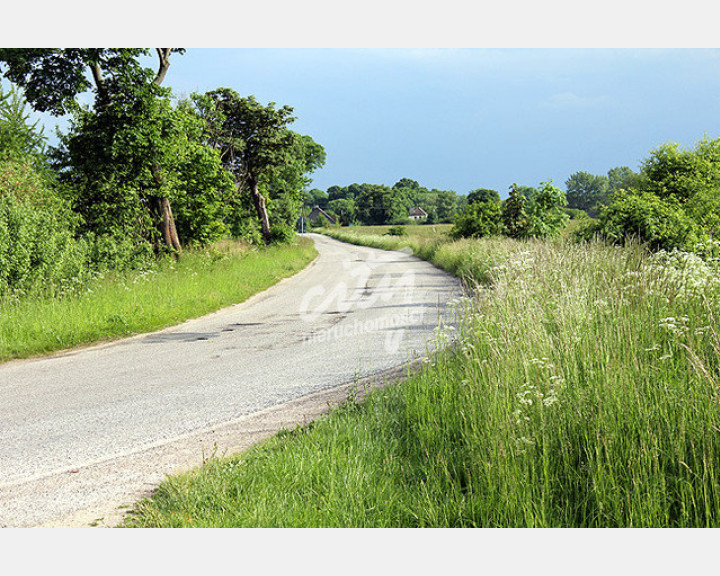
point(483, 195)
point(587, 192)
point(285, 186)
point(253, 140)
point(55, 78)
point(127, 123)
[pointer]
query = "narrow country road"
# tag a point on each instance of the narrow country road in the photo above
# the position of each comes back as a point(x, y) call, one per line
point(85, 432)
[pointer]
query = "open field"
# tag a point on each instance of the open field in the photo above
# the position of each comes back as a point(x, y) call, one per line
point(583, 391)
point(424, 231)
point(168, 293)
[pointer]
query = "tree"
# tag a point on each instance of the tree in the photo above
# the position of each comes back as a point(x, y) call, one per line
point(125, 95)
point(545, 215)
point(514, 213)
point(285, 186)
point(478, 219)
point(445, 205)
point(53, 78)
point(661, 223)
point(621, 177)
point(316, 197)
point(253, 141)
point(673, 203)
point(406, 184)
point(691, 176)
point(587, 192)
point(18, 137)
point(344, 209)
point(483, 195)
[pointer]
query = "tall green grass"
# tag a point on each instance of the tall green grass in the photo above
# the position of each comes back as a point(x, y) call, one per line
point(468, 259)
point(120, 304)
point(583, 392)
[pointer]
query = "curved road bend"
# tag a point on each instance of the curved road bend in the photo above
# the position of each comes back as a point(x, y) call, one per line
point(85, 431)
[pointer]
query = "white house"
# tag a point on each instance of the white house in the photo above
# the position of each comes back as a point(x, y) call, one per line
point(417, 214)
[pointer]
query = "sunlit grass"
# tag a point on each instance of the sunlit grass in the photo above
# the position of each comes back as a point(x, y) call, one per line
point(116, 305)
point(584, 390)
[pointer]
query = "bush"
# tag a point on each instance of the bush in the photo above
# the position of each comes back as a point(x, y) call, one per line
point(661, 223)
point(478, 219)
point(545, 213)
point(397, 231)
point(576, 214)
point(281, 233)
point(38, 249)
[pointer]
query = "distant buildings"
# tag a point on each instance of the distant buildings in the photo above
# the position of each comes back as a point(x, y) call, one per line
point(417, 214)
point(317, 217)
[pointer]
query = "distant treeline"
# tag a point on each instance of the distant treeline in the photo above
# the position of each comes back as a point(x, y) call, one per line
point(377, 204)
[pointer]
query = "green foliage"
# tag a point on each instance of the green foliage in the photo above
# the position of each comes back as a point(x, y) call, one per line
point(478, 219)
point(38, 249)
point(692, 177)
point(662, 223)
point(344, 209)
point(54, 78)
point(316, 197)
point(375, 204)
point(514, 213)
point(285, 185)
point(576, 214)
point(545, 215)
point(397, 231)
point(483, 195)
point(673, 203)
point(378, 204)
point(587, 192)
point(18, 137)
point(269, 162)
point(590, 193)
point(120, 160)
point(537, 213)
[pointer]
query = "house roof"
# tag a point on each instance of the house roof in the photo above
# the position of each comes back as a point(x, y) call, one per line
point(317, 211)
point(417, 211)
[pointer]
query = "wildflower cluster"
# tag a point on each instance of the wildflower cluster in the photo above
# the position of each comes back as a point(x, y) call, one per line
point(687, 273)
point(535, 397)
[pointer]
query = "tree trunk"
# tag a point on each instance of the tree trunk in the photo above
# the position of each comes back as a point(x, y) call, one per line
point(164, 58)
point(167, 225)
point(259, 201)
point(163, 212)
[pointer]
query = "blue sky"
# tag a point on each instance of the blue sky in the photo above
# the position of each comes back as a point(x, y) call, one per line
point(462, 119)
point(456, 95)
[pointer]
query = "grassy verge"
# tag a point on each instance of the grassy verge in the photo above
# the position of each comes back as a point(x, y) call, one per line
point(119, 305)
point(584, 392)
point(470, 260)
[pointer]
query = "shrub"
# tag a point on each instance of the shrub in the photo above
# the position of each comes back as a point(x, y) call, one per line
point(514, 214)
point(281, 233)
point(661, 223)
point(397, 231)
point(576, 213)
point(38, 249)
point(544, 210)
point(478, 219)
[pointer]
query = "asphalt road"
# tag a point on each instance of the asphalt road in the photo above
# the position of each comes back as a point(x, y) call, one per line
point(86, 431)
